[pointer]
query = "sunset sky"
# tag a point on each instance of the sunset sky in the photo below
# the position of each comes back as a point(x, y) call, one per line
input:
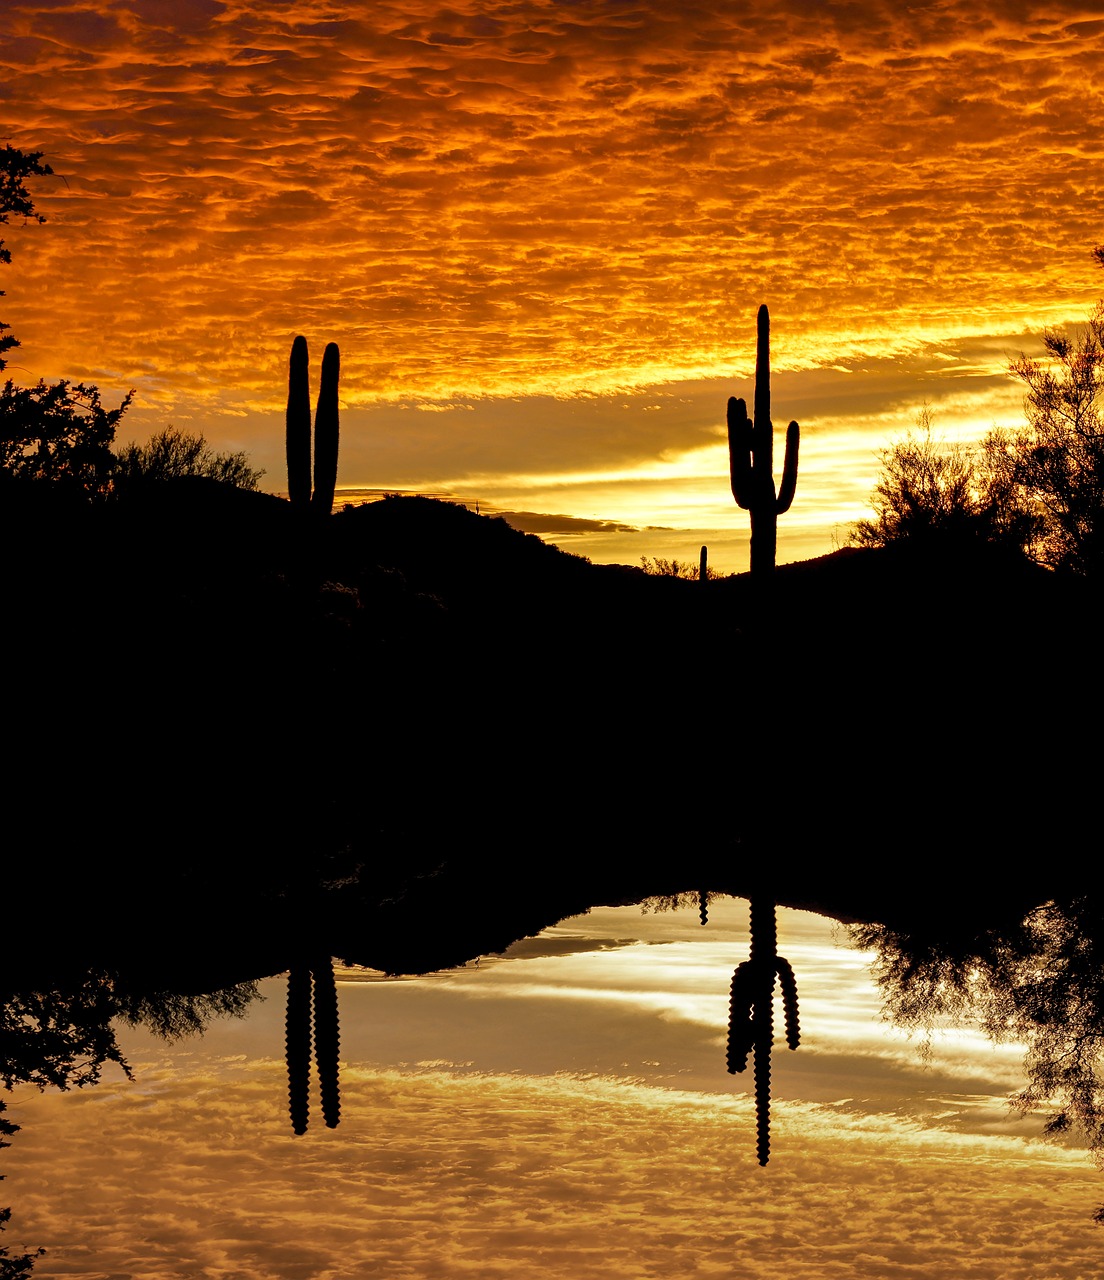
point(539, 233)
point(562, 1113)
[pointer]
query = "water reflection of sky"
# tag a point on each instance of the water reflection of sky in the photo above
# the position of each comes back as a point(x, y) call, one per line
point(560, 1111)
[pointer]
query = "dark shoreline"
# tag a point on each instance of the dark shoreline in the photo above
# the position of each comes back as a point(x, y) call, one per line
point(879, 735)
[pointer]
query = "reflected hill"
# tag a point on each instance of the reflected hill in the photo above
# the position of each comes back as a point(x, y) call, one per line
point(410, 734)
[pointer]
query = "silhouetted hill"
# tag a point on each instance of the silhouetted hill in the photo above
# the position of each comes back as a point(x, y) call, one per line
point(410, 732)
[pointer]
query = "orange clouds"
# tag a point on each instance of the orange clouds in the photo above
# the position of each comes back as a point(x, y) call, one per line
point(534, 196)
point(437, 1175)
point(508, 199)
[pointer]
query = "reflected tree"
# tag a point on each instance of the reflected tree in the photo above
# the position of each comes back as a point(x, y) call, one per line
point(1042, 983)
point(63, 1037)
point(59, 1038)
point(13, 1266)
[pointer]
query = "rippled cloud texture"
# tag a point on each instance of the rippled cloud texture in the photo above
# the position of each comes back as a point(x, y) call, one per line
point(519, 199)
point(445, 1176)
point(562, 1112)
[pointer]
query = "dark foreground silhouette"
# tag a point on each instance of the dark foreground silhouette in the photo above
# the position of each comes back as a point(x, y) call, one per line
point(244, 740)
point(346, 738)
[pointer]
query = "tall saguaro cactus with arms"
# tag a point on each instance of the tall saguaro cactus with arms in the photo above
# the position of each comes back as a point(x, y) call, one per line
point(751, 458)
point(751, 1013)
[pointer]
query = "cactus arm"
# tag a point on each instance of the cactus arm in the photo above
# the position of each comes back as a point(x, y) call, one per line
point(298, 1040)
point(327, 1040)
point(762, 436)
point(788, 983)
point(789, 470)
point(326, 433)
point(762, 365)
point(741, 1006)
point(739, 452)
point(299, 425)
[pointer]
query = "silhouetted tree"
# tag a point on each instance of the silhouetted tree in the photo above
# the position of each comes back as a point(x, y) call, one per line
point(60, 433)
point(1057, 461)
point(12, 1266)
point(15, 168)
point(59, 1038)
point(1042, 984)
point(1039, 488)
point(930, 490)
point(172, 453)
point(62, 1037)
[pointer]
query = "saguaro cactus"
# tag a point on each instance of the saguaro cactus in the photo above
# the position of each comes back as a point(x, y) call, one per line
point(299, 425)
point(298, 1043)
point(325, 429)
point(751, 458)
point(327, 1041)
point(312, 984)
point(751, 1013)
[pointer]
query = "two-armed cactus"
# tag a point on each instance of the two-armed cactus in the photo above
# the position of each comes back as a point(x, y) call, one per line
point(299, 429)
point(751, 1012)
point(313, 979)
point(751, 458)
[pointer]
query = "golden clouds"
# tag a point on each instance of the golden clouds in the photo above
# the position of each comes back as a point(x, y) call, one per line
point(507, 200)
point(435, 1174)
point(531, 1149)
point(540, 197)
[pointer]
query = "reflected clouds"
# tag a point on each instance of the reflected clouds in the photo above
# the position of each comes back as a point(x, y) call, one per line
point(555, 1162)
point(454, 1176)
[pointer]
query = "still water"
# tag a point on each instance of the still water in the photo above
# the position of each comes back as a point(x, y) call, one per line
point(560, 1111)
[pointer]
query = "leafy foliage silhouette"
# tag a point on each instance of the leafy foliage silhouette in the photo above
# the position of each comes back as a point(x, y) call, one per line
point(62, 1037)
point(12, 1266)
point(933, 491)
point(174, 454)
point(15, 168)
point(1057, 461)
point(657, 566)
point(1038, 489)
point(60, 434)
point(1041, 984)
